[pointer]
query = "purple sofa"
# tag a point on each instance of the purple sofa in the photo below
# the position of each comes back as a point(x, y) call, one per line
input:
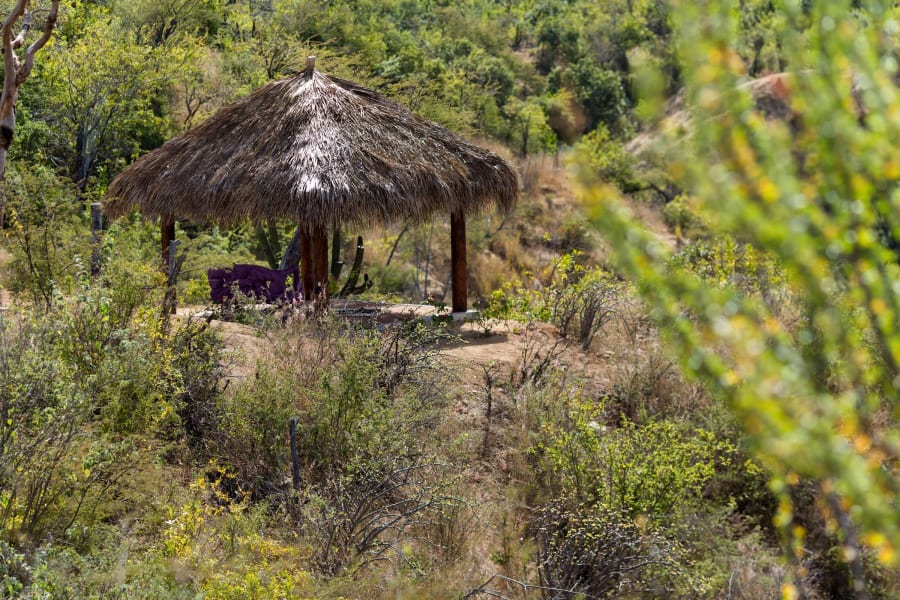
point(266, 285)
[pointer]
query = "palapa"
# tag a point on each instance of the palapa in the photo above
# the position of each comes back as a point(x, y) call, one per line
point(318, 150)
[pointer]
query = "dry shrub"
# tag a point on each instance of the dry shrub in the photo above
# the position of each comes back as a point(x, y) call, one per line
point(488, 272)
point(539, 173)
point(508, 245)
point(596, 553)
point(644, 379)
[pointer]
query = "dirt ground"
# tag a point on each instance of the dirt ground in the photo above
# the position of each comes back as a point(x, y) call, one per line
point(503, 348)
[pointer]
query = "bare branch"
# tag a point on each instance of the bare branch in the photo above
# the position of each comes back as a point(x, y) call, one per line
point(49, 26)
point(10, 60)
point(26, 27)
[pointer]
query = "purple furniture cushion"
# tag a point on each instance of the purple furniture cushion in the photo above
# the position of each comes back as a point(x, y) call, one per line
point(267, 285)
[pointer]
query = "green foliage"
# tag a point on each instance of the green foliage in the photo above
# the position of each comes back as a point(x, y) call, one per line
point(600, 91)
point(47, 246)
point(725, 263)
point(816, 395)
point(579, 300)
point(608, 158)
point(583, 301)
point(681, 215)
point(656, 471)
point(224, 542)
point(156, 21)
point(99, 93)
point(623, 507)
point(109, 419)
point(529, 130)
point(349, 395)
point(62, 412)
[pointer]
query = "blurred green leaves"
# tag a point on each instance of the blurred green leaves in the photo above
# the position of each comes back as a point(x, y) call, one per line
point(813, 377)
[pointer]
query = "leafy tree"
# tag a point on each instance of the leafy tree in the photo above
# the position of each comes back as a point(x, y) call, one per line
point(608, 159)
point(156, 21)
point(600, 91)
point(760, 39)
point(101, 96)
point(814, 376)
point(529, 130)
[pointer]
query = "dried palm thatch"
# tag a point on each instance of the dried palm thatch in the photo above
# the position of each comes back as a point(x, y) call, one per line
point(318, 150)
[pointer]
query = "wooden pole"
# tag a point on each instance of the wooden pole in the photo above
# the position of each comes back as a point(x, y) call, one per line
point(96, 232)
point(295, 463)
point(458, 267)
point(173, 251)
point(319, 244)
point(167, 225)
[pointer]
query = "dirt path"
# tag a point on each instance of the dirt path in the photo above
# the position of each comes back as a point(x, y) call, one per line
point(509, 349)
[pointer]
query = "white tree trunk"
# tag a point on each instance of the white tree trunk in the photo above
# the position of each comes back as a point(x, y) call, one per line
point(16, 69)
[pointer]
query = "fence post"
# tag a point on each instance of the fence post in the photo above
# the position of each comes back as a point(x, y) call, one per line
point(295, 464)
point(170, 300)
point(96, 233)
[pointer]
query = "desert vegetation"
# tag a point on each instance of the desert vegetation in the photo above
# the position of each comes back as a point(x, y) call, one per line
point(682, 382)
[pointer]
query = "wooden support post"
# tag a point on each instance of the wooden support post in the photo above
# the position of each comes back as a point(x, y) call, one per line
point(319, 242)
point(458, 267)
point(167, 225)
point(314, 261)
point(96, 232)
point(170, 300)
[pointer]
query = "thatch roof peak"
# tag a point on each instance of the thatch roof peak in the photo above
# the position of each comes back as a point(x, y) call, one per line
point(316, 149)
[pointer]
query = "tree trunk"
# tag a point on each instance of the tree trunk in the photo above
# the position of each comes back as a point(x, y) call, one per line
point(16, 70)
point(306, 265)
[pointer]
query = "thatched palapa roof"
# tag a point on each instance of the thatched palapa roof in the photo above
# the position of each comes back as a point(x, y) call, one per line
point(318, 150)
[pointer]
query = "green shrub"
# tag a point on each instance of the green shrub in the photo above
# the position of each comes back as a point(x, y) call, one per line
point(49, 239)
point(656, 471)
point(724, 262)
point(681, 215)
point(608, 158)
point(579, 300)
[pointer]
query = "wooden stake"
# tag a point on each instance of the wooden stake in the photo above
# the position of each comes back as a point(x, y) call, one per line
point(458, 266)
point(295, 463)
point(96, 232)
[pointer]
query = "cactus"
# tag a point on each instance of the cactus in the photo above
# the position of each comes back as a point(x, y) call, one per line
point(350, 286)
